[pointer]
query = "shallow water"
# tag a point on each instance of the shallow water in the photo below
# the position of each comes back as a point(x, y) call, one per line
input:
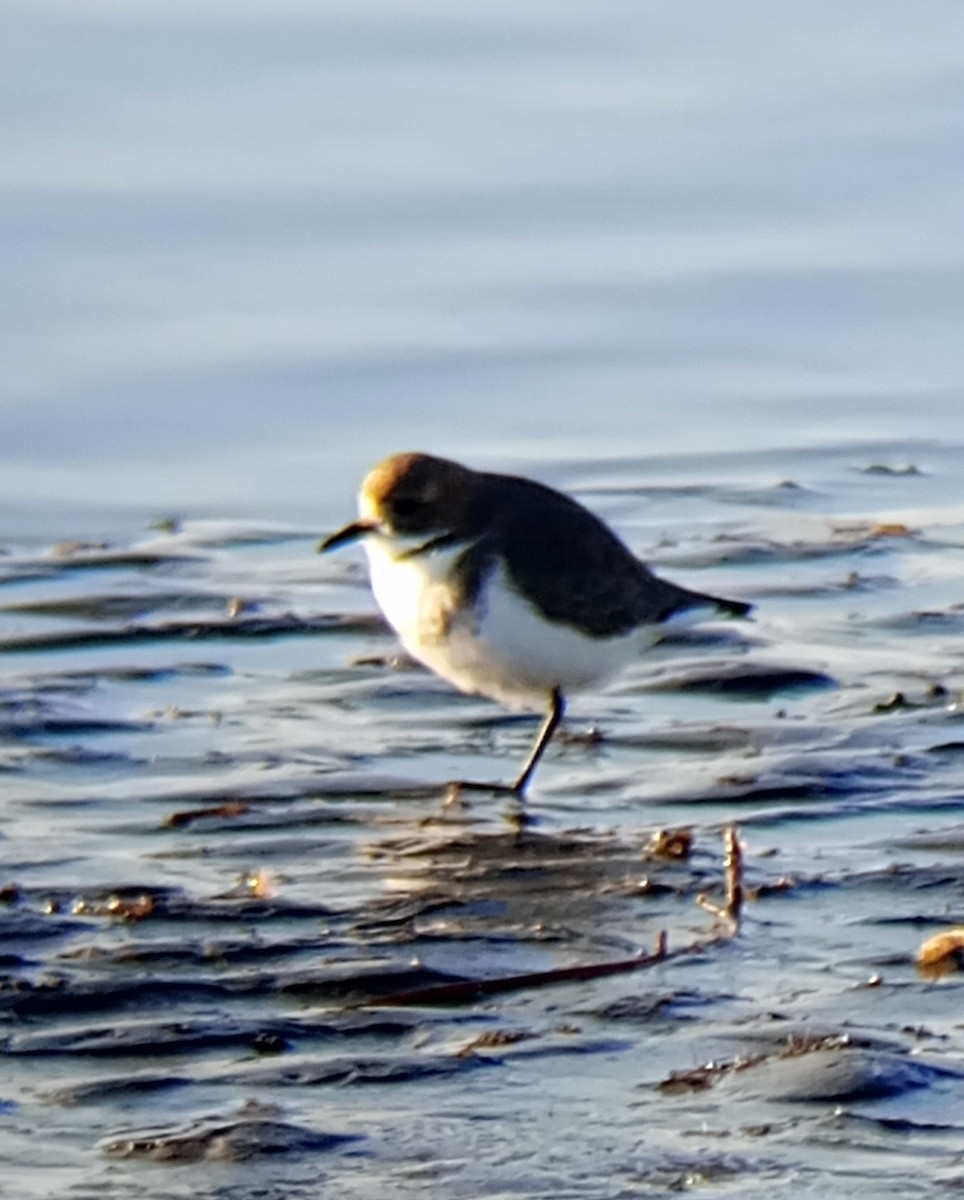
point(699, 266)
point(229, 878)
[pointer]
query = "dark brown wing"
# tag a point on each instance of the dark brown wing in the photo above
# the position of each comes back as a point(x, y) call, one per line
point(570, 565)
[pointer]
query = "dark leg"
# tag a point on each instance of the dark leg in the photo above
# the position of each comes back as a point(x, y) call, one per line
point(557, 708)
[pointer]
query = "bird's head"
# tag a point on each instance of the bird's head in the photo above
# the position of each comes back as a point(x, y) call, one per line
point(408, 496)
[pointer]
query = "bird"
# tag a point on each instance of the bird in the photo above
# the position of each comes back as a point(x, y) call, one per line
point(508, 588)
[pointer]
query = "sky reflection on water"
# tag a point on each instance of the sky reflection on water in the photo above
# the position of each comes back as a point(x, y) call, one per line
point(252, 247)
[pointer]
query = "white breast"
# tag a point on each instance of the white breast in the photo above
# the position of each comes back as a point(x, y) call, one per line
point(503, 647)
point(408, 589)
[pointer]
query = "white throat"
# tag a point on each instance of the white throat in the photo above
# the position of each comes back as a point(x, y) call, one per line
point(407, 585)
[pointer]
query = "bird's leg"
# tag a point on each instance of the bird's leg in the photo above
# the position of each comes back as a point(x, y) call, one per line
point(557, 707)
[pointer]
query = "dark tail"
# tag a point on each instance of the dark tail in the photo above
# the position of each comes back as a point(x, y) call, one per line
point(688, 599)
point(668, 599)
point(733, 608)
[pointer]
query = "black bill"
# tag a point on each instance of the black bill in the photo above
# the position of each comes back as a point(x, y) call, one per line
point(351, 533)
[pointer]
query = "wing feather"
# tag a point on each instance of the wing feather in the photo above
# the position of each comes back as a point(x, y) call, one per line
point(571, 565)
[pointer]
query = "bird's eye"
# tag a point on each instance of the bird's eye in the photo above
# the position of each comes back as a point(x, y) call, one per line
point(406, 506)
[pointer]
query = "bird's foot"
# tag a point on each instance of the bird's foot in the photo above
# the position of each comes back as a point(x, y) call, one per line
point(517, 814)
point(457, 786)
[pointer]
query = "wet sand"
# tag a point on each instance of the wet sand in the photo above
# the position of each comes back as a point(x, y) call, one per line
point(247, 951)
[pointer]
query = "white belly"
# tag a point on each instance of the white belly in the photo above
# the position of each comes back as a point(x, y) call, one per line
point(503, 648)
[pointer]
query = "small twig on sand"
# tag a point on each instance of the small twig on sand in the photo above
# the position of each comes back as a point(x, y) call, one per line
point(732, 909)
point(475, 989)
point(468, 990)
